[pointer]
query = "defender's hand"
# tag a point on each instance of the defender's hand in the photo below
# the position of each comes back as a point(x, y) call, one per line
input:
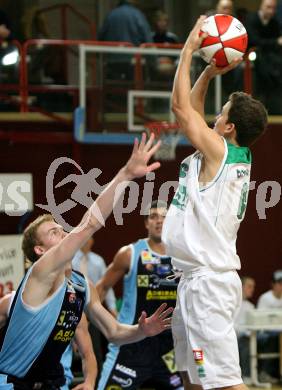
point(157, 323)
point(137, 165)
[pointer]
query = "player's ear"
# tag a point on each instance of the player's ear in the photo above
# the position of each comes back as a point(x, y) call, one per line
point(38, 250)
point(146, 223)
point(230, 127)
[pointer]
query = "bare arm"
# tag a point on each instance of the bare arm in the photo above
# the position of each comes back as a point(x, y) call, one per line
point(124, 334)
point(116, 271)
point(190, 120)
point(89, 363)
point(4, 306)
point(46, 270)
point(200, 88)
point(110, 298)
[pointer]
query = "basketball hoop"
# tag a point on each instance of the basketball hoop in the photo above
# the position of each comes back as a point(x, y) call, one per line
point(169, 134)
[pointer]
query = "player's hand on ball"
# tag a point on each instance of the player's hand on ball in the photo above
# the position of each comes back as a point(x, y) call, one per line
point(157, 323)
point(138, 164)
point(195, 37)
point(212, 70)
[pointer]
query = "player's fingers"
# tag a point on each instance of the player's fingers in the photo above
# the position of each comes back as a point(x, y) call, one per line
point(142, 317)
point(154, 148)
point(166, 313)
point(232, 65)
point(152, 167)
point(167, 326)
point(142, 142)
point(213, 63)
point(235, 62)
point(135, 146)
point(149, 142)
point(200, 22)
point(203, 35)
point(160, 309)
point(167, 321)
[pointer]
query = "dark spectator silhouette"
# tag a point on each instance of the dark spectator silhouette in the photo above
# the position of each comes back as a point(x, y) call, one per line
point(224, 7)
point(161, 34)
point(125, 23)
point(5, 26)
point(265, 34)
point(165, 66)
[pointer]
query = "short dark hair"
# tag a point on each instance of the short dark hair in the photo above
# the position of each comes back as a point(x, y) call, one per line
point(245, 278)
point(277, 276)
point(154, 205)
point(160, 14)
point(249, 117)
point(30, 239)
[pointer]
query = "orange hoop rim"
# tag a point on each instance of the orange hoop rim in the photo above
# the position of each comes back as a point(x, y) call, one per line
point(158, 127)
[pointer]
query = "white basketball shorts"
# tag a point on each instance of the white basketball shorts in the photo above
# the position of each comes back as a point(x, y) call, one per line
point(203, 329)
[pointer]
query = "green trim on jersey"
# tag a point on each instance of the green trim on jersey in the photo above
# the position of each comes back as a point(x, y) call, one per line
point(238, 154)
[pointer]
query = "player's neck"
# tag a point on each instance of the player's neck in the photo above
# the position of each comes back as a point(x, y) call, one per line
point(232, 140)
point(156, 246)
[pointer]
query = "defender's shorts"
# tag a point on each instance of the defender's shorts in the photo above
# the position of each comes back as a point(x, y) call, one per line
point(204, 337)
point(129, 366)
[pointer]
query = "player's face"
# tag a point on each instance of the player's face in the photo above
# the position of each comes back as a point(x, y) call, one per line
point(221, 119)
point(162, 24)
point(154, 223)
point(49, 234)
point(268, 8)
point(225, 7)
point(277, 288)
point(248, 288)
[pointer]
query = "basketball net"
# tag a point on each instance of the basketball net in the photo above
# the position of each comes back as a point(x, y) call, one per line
point(169, 134)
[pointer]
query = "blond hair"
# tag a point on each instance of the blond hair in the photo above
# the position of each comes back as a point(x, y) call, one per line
point(30, 239)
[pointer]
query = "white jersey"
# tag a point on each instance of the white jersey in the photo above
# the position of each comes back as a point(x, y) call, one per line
point(269, 301)
point(200, 229)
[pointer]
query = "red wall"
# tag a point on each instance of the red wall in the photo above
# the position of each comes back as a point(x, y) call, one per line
point(259, 241)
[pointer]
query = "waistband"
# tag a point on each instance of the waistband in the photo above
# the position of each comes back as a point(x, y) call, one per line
point(201, 271)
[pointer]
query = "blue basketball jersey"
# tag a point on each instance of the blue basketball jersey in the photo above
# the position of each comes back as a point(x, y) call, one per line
point(146, 285)
point(34, 339)
point(66, 362)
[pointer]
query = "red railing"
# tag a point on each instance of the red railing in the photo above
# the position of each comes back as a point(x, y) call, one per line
point(24, 87)
point(64, 8)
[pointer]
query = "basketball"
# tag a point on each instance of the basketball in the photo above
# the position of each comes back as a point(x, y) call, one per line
point(227, 39)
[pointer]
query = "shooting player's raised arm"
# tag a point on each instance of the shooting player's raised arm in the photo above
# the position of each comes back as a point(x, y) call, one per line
point(190, 120)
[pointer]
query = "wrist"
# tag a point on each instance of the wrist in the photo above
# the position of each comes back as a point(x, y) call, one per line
point(208, 74)
point(125, 174)
point(187, 51)
point(140, 332)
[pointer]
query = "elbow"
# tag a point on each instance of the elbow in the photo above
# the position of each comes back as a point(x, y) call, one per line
point(182, 111)
point(176, 107)
point(114, 335)
point(115, 340)
point(101, 290)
